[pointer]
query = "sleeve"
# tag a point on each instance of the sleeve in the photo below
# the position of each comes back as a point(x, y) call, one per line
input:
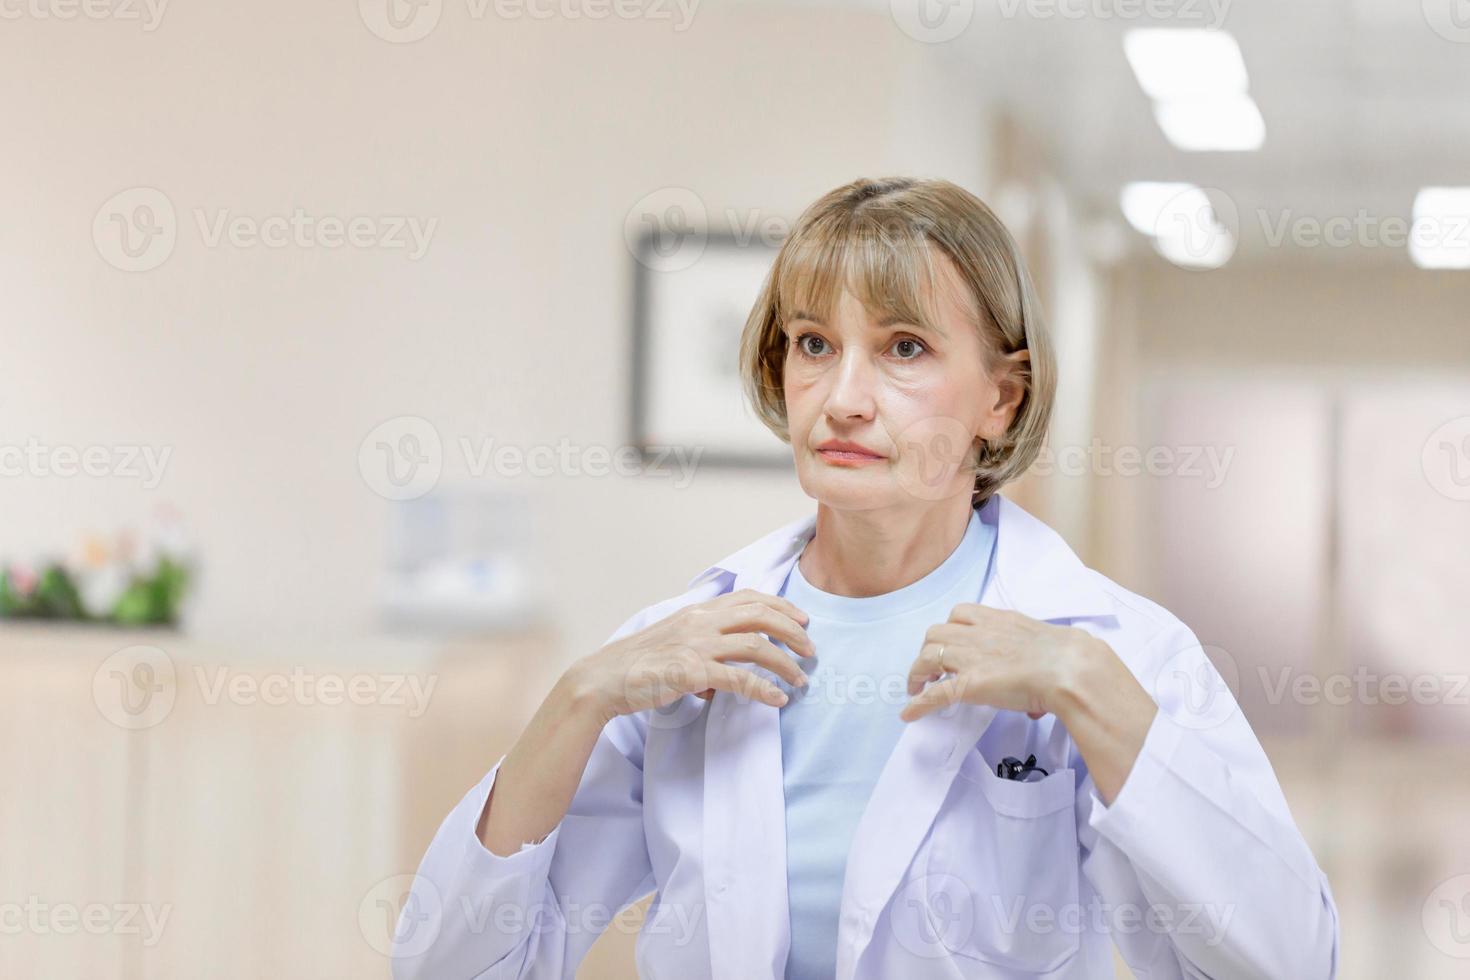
point(1199, 847)
point(532, 915)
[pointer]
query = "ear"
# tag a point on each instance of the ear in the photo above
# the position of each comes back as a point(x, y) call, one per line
point(1010, 388)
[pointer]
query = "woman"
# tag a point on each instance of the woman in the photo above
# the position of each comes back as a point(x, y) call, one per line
point(856, 795)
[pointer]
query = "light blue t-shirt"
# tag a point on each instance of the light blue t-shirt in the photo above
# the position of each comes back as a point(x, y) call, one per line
point(838, 732)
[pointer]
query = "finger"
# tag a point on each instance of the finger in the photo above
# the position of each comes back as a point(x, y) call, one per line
point(934, 697)
point(745, 684)
point(753, 617)
point(779, 603)
point(756, 649)
point(973, 613)
point(956, 643)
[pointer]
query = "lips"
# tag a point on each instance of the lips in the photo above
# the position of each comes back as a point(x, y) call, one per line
point(845, 450)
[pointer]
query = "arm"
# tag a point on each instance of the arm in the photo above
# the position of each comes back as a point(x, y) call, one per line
point(538, 778)
point(523, 888)
point(567, 826)
point(1182, 814)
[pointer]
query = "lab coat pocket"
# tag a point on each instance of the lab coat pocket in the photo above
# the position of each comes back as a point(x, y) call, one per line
point(1002, 877)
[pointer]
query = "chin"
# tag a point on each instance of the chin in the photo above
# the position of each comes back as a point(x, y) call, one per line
point(854, 489)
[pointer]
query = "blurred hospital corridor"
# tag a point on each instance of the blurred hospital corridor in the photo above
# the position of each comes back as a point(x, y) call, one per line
point(363, 365)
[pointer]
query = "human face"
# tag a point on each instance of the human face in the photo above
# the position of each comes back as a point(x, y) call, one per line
point(884, 413)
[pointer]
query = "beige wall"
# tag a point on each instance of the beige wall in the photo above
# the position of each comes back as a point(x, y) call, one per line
point(529, 141)
point(1309, 314)
point(1293, 320)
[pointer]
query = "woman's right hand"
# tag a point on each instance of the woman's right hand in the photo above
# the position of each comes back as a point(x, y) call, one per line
point(690, 652)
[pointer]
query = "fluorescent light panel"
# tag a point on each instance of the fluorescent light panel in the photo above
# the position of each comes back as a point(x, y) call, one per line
point(1440, 238)
point(1177, 64)
point(1180, 221)
point(1198, 83)
point(1229, 123)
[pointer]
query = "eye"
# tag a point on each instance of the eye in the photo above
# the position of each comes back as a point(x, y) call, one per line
point(907, 348)
point(807, 348)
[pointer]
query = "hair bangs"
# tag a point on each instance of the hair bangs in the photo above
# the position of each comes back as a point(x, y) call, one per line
point(888, 267)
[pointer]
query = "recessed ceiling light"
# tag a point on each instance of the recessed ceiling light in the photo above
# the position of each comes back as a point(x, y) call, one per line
point(1231, 122)
point(1174, 64)
point(1144, 202)
point(1199, 86)
point(1180, 221)
point(1440, 238)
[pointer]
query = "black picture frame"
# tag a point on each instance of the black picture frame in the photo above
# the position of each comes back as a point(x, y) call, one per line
point(728, 262)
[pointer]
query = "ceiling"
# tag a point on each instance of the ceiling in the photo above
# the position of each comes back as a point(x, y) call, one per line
point(1364, 102)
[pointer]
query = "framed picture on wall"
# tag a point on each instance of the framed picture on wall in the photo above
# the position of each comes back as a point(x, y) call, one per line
point(688, 311)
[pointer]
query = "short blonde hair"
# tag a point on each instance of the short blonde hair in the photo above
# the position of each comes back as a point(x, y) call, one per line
point(874, 238)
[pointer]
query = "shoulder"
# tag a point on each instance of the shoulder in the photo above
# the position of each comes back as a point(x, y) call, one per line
point(1146, 635)
point(664, 608)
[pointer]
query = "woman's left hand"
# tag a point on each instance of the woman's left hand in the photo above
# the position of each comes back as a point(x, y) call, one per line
point(1006, 659)
point(998, 657)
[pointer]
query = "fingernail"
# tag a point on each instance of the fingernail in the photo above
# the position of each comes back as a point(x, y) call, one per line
point(781, 697)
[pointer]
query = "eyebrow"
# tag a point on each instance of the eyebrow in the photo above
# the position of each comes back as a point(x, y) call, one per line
point(887, 322)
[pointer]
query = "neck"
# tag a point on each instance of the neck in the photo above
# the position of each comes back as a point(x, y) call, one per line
point(861, 553)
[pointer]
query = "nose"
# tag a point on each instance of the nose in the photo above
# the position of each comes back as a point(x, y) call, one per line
point(853, 395)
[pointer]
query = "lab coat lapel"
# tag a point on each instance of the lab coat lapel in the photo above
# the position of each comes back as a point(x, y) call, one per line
point(744, 794)
point(745, 818)
point(1035, 573)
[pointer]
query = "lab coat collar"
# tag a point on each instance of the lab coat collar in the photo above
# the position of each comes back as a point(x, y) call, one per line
point(1037, 573)
point(744, 797)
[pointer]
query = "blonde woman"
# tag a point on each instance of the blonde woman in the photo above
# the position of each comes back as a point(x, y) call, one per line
point(908, 736)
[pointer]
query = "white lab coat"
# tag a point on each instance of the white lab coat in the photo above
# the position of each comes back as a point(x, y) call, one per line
point(1195, 870)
